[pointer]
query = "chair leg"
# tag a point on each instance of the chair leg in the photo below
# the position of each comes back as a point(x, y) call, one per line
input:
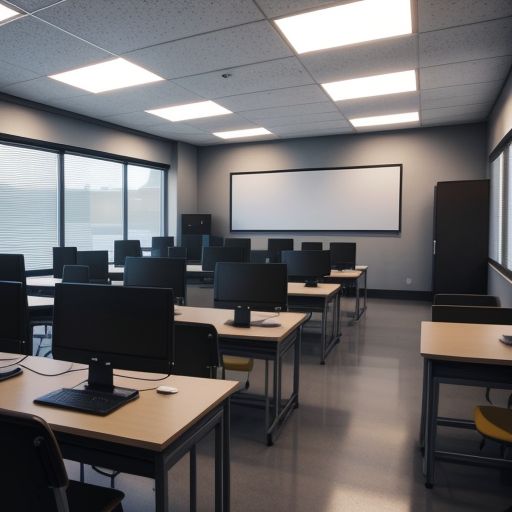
point(247, 383)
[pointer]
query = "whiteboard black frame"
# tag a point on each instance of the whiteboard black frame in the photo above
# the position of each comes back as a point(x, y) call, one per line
point(395, 231)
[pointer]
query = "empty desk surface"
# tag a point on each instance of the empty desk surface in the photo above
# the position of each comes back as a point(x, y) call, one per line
point(342, 276)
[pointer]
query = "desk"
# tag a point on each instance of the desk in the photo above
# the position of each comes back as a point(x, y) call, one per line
point(267, 343)
point(318, 298)
point(342, 276)
point(461, 354)
point(145, 437)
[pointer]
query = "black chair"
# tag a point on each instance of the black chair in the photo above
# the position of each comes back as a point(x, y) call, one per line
point(123, 248)
point(214, 255)
point(158, 273)
point(63, 256)
point(13, 318)
point(276, 245)
point(75, 274)
point(97, 261)
point(312, 246)
point(196, 350)
point(177, 252)
point(343, 255)
point(12, 268)
point(244, 243)
point(34, 476)
point(258, 256)
point(160, 245)
point(465, 299)
point(472, 314)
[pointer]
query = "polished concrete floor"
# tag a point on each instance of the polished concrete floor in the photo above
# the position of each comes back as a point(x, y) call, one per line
point(352, 444)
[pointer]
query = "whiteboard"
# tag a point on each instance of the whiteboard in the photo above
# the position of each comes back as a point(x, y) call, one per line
point(328, 199)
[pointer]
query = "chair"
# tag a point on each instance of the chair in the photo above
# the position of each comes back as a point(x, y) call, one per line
point(276, 245)
point(258, 256)
point(244, 243)
point(214, 255)
point(34, 476)
point(196, 350)
point(123, 248)
point(472, 314)
point(312, 246)
point(97, 261)
point(158, 273)
point(75, 274)
point(63, 256)
point(177, 252)
point(160, 245)
point(13, 318)
point(465, 299)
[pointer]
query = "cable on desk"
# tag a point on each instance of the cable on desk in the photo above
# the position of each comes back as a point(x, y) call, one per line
point(141, 378)
point(12, 364)
point(69, 370)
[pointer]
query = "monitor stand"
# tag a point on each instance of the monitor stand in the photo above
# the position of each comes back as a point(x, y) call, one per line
point(101, 379)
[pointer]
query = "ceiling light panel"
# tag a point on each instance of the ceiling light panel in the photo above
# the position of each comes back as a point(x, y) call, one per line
point(107, 76)
point(238, 134)
point(356, 22)
point(407, 117)
point(378, 85)
point(190, 111)
point(6, 13)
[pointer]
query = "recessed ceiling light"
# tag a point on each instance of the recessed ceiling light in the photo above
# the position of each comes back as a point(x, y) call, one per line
point(408, 117)
point(236, 134)
point(107, 76)
point(377, 85)
point(6, 13)
point(365, 20)
point(190, 111)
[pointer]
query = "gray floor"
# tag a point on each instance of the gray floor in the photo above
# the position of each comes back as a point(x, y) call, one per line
point(352, 444)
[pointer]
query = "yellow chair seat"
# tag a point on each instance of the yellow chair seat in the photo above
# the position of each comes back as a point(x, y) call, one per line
point(494, 423)
point(238, 364)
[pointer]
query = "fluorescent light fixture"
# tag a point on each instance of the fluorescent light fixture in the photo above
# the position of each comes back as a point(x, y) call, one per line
point(378, 85)
point(365, 20)
point(190, 111)
point(408, 117)
point(107, 76)
point(237, 134)
point(6, 13)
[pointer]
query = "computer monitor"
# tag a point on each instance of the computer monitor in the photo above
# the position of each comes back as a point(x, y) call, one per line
point(63, 256)
point(312, 246)
point(343, 255)
point(309, 266)
point(276, 245)
point(160, 245)
point(123, 248)
point(244, 243)
point(261, 286)
point(111, 327)
point(97, 261)
point(213, 255)
point(177, 252)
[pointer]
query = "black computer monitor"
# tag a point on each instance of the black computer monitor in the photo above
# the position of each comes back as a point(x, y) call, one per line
point(63, 256)
point(343, 255)
point(123, 248)
point(97, 261)
point(110, 327)
point(214, 255)
point(312, 246)
point(244, 243)
point(177, 252)
point(160, 245)
point(309, 266)
point(261, 286)
point(276, 245)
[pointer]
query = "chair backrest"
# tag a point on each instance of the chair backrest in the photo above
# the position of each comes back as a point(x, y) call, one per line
point(466, 299)
point(196, 349)
point(157, 273)
point(276, 245)
point(13, 318)
point(35, 477)
point(177, 252)
point(12, 268)
point(307, 264)
point(97, 261)
point(123, 248)
point(75, 274)
point(258, 256)
point(312, 246)
point(214, 255)
point(343, 255)
point(472, 314)
point(244, 243)
point(160, 244)
point(63, 256)
point(261, 286)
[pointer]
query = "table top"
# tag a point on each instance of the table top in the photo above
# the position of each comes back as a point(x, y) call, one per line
point(346, 274)
point(217, 317)
point(322, 290)
point(43, 281)
point(471, 343)
point(152, 421)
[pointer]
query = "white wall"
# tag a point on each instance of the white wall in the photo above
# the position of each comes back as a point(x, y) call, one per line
point(428, 155)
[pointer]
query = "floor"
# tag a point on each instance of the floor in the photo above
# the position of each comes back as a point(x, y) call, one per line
point(352, 444)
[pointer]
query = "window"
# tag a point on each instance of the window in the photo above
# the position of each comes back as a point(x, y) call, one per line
point(145, 201)
point(28, 204)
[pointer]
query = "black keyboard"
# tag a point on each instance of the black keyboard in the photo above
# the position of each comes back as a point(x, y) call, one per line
point(84, 400)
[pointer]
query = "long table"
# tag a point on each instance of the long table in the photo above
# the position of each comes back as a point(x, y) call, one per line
point(145, 437)
point(353, 276)
point(461, 354)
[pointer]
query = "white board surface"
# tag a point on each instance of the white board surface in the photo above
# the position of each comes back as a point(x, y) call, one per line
point(342, 199)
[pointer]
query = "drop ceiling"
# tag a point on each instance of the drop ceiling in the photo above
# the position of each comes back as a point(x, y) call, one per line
point(461, 49)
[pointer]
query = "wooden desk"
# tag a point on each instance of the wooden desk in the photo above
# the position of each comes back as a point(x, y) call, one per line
point(266, 343)
point(342, 276)
point(461, 354)
point(145, 437)
point(317, 299)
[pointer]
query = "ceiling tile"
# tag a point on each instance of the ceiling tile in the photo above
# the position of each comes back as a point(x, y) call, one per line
point(174, 129)
point(438, 14)
point(136, 120)
point(395, 54)
point(489, 89)
point(44, 49)
point(124, 25)
point(323, 126)
point(10, 74)
point(460, 96)
point(43, 89)
point(317, 133)
point(221, 123)
point(275, 74)
point(470, 72)
point(479, 111)
point(276, 8)
point(380, 105)
point(300, 119)
point(469, 42)
point(247, 44)
point(277, 98)
point(32, 5)
point(291, 110)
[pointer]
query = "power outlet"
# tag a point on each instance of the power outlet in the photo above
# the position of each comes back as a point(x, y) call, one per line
point(408, 281)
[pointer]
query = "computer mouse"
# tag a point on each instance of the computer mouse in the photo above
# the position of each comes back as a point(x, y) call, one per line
point(166, 390)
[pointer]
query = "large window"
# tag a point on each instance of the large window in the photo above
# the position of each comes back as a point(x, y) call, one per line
point(28, 204)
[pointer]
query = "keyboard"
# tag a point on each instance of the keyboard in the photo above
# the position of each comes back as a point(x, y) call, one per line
point(84, 400)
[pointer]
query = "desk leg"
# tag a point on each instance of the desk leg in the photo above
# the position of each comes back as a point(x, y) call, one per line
point(424, 400)
point(431, 425)
point(161, 485)
point(267, 399)
point(296, 366)
point(338, 314)
point(358, 310)
point(219, 466)
point(365, 288)
point(193, 479)
point(227, 457)
point(323, 348)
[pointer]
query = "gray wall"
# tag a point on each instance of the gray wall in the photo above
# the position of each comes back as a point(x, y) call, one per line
point(397, 262)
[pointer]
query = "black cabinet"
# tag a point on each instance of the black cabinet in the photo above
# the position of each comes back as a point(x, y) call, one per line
point(461, 237)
